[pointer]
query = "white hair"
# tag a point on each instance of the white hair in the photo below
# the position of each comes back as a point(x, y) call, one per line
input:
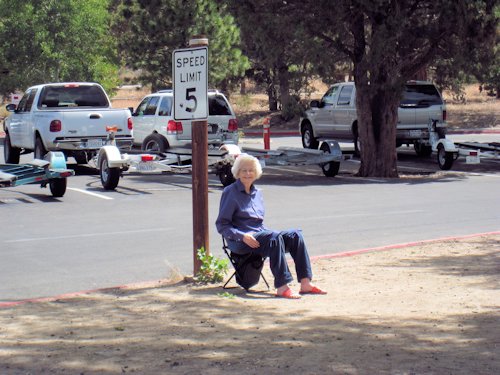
point(246, 159)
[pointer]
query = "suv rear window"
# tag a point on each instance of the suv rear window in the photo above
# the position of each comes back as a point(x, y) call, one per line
point(72, 96)
point(421, 96)
point(217, 106)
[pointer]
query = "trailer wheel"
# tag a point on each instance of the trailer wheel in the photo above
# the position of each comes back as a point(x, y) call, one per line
point(357, 145)
point(444, 159)
point(58, 187)
point(11, 154)
point(109, 176)
point(330, 169)
point(225, 175)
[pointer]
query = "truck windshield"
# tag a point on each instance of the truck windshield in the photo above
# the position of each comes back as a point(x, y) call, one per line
point(72, 96)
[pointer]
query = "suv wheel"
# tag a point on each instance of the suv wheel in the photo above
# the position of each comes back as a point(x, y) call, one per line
point(155, 142)
point(308, 140)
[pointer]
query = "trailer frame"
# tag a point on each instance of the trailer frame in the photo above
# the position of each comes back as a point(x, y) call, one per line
point(51, 171)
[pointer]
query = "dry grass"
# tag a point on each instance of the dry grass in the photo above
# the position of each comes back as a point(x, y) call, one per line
point(129, 97)
point(478, 111)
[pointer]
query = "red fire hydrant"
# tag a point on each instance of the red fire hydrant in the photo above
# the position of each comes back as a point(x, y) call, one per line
point(267, 134)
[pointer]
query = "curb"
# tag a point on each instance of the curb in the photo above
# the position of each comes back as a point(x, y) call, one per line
point(156, 283)
point(400, 246)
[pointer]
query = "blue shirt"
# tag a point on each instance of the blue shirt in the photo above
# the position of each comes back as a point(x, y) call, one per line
point(239, 212)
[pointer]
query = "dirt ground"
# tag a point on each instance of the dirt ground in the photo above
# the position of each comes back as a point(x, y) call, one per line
point(428, 308)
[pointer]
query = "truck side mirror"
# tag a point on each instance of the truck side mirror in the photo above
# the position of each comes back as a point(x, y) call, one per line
point(314, 104)
point(11, 107)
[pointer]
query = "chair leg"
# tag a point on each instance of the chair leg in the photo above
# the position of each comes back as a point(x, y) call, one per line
point(268, 288)
point(228, 280)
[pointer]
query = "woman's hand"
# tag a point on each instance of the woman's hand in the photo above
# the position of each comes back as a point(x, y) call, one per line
point(249, 239)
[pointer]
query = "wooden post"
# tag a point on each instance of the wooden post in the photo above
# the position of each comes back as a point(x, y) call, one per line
point(199, 136)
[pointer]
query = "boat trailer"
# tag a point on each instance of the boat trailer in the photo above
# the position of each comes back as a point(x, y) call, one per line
point(51, 171)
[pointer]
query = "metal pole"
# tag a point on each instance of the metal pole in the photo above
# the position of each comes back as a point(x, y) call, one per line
point(199, 131)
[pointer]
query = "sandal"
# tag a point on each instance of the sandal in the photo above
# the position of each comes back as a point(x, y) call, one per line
point(290, 294)
point(314, 290)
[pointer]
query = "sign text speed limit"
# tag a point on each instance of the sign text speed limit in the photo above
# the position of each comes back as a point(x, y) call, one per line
point(190, 68)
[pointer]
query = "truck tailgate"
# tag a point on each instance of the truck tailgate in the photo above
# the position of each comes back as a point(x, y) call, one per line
point(89, 122)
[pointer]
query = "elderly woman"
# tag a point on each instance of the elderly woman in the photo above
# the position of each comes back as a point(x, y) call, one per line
point(240, 221)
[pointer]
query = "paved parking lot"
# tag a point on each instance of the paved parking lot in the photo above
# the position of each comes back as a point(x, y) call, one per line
point(92, 238)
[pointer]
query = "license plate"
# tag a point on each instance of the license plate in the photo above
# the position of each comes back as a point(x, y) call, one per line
point(94, 143)
point(145, 166)
point(472, 159)
point(415, 133)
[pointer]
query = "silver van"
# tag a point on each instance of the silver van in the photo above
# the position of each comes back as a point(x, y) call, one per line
point(156, 130)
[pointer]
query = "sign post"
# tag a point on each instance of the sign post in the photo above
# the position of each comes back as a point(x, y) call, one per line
point(190, 71)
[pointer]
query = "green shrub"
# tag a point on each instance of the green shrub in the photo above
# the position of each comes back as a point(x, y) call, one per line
point(291, 109)
point(212, 269)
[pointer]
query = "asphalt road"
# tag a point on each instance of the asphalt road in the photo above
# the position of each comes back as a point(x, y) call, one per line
point(92, 238)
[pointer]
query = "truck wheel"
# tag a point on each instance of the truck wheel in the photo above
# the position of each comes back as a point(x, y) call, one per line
point(58, 187)
point(225, 175)
point(445, 159)
point(109, 176)
point(40, 149)
point(422, 150)
point(10, 154)
point(330, 169)
point(155, 142)
point(308, 140)
point(81, 157)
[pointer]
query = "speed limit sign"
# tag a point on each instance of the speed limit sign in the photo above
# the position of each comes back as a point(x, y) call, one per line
point(190, 70)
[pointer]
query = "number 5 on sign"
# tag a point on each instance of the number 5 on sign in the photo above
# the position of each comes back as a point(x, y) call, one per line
point(190, 95)
point(190, 67)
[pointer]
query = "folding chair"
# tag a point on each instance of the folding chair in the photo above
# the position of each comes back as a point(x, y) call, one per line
point(247, 268)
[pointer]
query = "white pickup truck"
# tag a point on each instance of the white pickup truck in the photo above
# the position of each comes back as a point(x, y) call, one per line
point(68, 117)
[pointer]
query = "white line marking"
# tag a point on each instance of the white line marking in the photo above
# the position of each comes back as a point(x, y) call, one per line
point(89, 235)
point(90, 193)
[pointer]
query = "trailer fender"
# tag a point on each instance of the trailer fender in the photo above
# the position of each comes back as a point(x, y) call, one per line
point(56, 159)
point(447, 144)
point(231, 149)
point(113, 155)
point(333, 147)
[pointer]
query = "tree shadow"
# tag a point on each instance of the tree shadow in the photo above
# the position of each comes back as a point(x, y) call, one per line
point(202, 334)
point(465, 266)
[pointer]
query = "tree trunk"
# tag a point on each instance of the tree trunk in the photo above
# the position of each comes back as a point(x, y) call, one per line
point(284, 82)
point(377, 118)
point(271, 94)
point(378, 92)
